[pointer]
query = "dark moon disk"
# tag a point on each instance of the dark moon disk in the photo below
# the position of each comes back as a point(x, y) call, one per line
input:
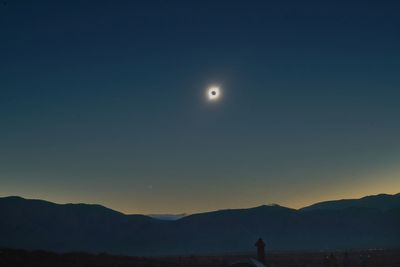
point(213, 93)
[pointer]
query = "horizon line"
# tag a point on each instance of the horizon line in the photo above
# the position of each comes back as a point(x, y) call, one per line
point(185, 214)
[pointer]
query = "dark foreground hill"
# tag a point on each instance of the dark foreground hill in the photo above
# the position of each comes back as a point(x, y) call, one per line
point(367, 258)
point(37, 224)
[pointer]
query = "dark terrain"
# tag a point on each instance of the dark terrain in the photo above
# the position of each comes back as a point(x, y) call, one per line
point(377, 258)
point(368, 223)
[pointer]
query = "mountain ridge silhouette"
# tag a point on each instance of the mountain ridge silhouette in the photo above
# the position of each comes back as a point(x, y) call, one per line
point(352, 224)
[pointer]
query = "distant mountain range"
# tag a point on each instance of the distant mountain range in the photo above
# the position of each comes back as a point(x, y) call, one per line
point(167, 217)
point(382, 202)
point(369, 222)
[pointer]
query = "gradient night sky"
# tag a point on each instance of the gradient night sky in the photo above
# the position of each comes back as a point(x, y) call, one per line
point(103, 102)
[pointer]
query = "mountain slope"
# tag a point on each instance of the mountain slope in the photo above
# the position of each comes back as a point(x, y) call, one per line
point(381, 202)
point(36, 224)
point(41, 224)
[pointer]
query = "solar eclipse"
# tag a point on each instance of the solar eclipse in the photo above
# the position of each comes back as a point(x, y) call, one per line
point(213, 93)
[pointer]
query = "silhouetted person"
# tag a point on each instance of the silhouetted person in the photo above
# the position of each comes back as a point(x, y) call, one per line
point(260, 250)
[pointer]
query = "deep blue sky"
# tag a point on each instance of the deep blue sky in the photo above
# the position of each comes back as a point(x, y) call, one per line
point(103, 102)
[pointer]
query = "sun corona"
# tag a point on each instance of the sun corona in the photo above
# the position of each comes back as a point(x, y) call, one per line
point(213, 93)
